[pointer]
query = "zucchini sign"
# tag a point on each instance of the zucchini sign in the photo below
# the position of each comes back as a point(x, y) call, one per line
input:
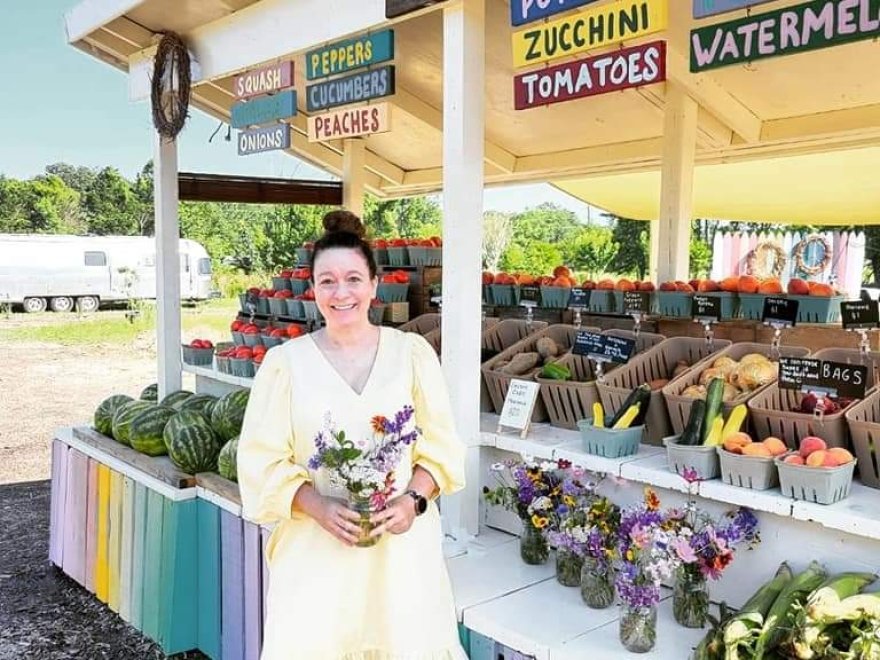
point(809, 26)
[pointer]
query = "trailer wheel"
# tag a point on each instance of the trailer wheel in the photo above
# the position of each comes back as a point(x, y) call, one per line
point(33, 305)
point(87, 304)
point(61, 304)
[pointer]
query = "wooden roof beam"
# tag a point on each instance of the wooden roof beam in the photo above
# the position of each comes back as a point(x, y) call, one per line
point(863, 119)
point(126, 29)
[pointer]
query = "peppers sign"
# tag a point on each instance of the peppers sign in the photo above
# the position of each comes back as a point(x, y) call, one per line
point(350, 122)
point(355, 88)
point(621, 69)
point(588, 30)
point(809, 26)
point(395, 8)
point(264, 109)
point(711, 7)
point(268, 138)
point(350, 55)
point(264, 80)
point(526, 11)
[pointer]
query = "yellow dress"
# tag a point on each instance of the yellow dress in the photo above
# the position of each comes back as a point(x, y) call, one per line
point(328, 601)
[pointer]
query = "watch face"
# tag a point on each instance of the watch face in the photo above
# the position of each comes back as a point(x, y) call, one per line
point(421, 505)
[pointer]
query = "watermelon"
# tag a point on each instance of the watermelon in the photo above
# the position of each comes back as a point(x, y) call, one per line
point(150, 393)
point(104, 412)
point(228, 414)
point(174, 399)
point(123, 418)
point(226, 461)
point(202, 403)
point(191, 442)
point(146, 430)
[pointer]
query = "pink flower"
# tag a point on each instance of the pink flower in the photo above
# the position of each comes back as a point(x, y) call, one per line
point(690, 475)
point(684, 550)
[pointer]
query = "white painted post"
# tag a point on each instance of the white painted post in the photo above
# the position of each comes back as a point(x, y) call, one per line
point(463, 139)
point(353, 157)
point(165, 198)
point(670, 244)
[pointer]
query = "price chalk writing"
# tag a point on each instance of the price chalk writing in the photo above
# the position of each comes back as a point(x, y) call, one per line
point(826, 376)
point(859, 314)
point(706, 309)
point(636, 302)
point(529, 296)
point(603, 348)
point(579, 298)
point(780, 312)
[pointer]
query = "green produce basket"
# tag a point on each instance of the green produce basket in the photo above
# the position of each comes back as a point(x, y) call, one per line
point(555, 297)
point(237, 338)
point(398, 256)
point(602, 301)
point(504, 295)
point(241, 367)
point(198, 357)
point(816, 309)
point(299, 287)
point(251, 339)
point(609, 443)
point(270, 342)
point(278, 306)
point(751, 305)
point(390, 293)
point(676, 304)
point(376, 314)
point(381, 256)
point(295, 309)
point(703, 460)
point(425, 256)
point(263, 305)
point(280, 283)
point(728, 303)
point(311, 311)
point(755, 472)
point(303, 256)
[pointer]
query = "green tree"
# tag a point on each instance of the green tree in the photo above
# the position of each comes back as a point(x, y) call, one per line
point(13, 198)
point(700, 259)
point(632, 237)
point(77, 177)
point(593, 250)
point(52, 207)
point(497, 232)
point(412, 217)
point(535, 258)
point(546, 223)
point(111, 206)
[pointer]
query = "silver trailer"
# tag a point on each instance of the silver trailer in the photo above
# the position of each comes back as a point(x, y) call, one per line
point(68, 272)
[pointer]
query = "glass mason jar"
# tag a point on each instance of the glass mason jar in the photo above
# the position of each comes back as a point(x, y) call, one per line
point(690, 598)
point(365, 508)
point(638, 627)
point(533, 545)
point(597, 584)
point(568, 568)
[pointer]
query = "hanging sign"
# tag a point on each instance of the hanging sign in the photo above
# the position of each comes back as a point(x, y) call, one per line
point(587, 30)
point(529, 296)
point(579, 298)
point(780, 312)
point(349, 55)
point(264, 109)
point(373, 84)
point(588, 343)
point(621, 69)
point(603, 348)
point(636, 302)
point(823, 376)
point(395, 8)
point(798, 373)
point(526, 11)
point(706, 309)
point(704, 8)
point(518, 405)
point(859, 314)
point(350, 122)
point(797, 29)
point(265, 80)
point(268, 138)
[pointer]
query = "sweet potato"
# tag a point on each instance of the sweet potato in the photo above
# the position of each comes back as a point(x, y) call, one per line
point(521, 363)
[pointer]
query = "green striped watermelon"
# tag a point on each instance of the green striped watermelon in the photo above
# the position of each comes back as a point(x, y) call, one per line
point(104, 412)
point(174, 399)
point(191, 442)
point(150, 393)
point(146, 430)
point(202, 403)
point(226, 461)
point(228, 413)
point(123, 418)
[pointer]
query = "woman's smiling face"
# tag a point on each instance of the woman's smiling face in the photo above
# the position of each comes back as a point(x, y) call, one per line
point(343, 287)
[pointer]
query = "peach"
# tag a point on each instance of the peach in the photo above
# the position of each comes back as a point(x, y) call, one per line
point(811, 444)
point(775, 445)
point(756, 449)
point(605, 285)
point(748, 284)
point(561, 271)
point(694, 284)
point(645, 286)
point(625, 285)
point(588, 284)
point(794, 459)
point(684, 287)
point(841, 455)
point(821, 458)
point(736, 441)
point(798, 287)
point(821, 290)
point(667, 286)
point(706, 286)
point(730, 284)
point(562, 281)
point(770, 286)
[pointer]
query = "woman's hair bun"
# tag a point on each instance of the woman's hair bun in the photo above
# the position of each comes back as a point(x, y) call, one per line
point(344, 221)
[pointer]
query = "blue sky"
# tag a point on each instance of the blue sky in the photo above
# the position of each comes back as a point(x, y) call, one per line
point(67, 106)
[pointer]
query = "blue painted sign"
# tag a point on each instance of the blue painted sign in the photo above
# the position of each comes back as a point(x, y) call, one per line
point(268, 138)
point(349, 55)
point(373, 84)
point(526, 11)
point(264, 109)
point(703, 8)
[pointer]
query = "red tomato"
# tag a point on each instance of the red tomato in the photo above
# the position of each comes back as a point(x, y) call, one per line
point(236, 325)
point(401, 277)
point(294, 330)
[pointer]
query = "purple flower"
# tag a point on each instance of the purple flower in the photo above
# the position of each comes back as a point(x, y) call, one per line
point(690, 475)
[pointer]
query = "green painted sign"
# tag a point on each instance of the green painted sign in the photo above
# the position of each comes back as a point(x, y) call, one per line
point(349, 55)
point(809, 26)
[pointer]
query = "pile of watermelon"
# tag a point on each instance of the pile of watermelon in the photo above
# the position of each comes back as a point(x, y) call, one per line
point(198, 432)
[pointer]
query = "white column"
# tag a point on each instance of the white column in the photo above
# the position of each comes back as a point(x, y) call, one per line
point(165, 198)
point(671, 241)
point(353, 176)
point(463, 139)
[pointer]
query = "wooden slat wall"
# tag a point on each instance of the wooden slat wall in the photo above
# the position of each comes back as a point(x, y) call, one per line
point(126, 548)
point(102, 585)
point(92, 525)
point(139, 525)
point(253, 592)
point(56, 506)
point(75, 516)
point(232, 581)
point(152, 564)
point(179, 596)
point(115, 539)
point(209, 578)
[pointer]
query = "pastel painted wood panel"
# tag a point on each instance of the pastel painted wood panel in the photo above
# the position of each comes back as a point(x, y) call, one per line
point(481, 647)
point(58, 494)
point(126, 546)
point(232, 584)
point(75, 503)
point(152, 565)
point(92, 525)
point(179, 595)
point(209, 578)
point(139, 519)
point(264, 538)
point(102, 586)
point(253, 592)
point(115, 538)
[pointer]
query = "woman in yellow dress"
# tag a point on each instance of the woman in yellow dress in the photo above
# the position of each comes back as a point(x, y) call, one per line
point(328, 598)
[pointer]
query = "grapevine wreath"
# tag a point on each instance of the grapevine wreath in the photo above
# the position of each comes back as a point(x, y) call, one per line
point(801, 249)
point(756, 259)
point(170, 86)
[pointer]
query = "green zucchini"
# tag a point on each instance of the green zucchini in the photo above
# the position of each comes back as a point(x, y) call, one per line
point(691, 434)
point(640, 395)
point(714, 400)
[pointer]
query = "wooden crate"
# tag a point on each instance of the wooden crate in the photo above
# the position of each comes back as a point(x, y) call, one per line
point(397, 312)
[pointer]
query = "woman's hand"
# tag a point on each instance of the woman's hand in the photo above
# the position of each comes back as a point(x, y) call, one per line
point(339, 520)
point(397, 516)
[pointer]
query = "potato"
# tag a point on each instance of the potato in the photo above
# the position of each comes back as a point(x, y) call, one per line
point(546, 347)
point(695, 392)
point(658, 383)
point(680, 368)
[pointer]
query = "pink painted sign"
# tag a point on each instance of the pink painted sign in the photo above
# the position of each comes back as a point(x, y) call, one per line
point(264, 80)
point(620, 69)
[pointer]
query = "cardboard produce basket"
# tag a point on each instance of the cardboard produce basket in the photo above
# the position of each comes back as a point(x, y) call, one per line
point(610, 443)
point(498, 337)
point(755, 472)
point(863, 420)
point(498, 382)
point(656, 363)
point(675, 304)
point(818, 309)
point(679, 406)
point(773, 410)
point(823, 485)
point(422, 324)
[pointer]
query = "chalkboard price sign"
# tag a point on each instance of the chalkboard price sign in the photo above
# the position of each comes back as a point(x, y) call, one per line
point(529, 296)
point(618, 349)
point(579, 298)
point(798, 373)
point(636, 302)
point(706, 308)
point(812, 375)
point(859, 314)
point(603, 348)
point(588, 343)
point(780, 311)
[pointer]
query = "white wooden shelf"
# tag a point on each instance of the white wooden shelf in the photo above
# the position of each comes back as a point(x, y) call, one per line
point(858, 514)
point(210, 372)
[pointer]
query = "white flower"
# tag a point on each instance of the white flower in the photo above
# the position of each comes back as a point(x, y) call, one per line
point(498, 467)
point(541, 504)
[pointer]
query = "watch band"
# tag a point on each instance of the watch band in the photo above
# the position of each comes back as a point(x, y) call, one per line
point(419, 501)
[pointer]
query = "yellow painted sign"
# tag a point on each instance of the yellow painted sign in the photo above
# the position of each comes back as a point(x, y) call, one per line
point(589, 29)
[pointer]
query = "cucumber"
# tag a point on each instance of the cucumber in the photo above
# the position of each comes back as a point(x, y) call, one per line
point(640, 395)
point(713, 407)
point(691, 434)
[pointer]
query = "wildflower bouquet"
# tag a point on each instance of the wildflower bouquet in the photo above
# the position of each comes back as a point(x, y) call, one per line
point(568, 535)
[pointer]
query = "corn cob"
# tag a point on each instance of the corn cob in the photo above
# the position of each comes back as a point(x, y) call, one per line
point(742, 630)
